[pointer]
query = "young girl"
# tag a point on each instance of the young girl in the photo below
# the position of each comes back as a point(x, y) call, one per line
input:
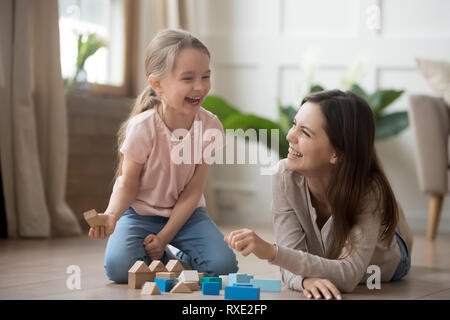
point(155, 201)
point(334, 211)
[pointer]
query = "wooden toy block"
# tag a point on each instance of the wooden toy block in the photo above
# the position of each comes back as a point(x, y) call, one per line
point(267, 284)
point(212, 279)
point(246, 285)
point(180, 287)
point(194, 286)
point(174, 266)
point(138, 274)
point(93, 219)
point(150, 288)
point(211, 288)
point(188, 275)
point(166, 275)
point(164, 285)
point(157, 266)
point(241, 293)
point(201, 275)
point(238, 278)
point(224, 281)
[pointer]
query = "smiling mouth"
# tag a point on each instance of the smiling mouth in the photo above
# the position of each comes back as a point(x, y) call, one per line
point(294, 153)
point(193, 100)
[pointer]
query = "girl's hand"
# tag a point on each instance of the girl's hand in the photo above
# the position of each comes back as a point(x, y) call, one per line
point(318, 288)
point(246, 241)
point(154, 246)
point(102, 232)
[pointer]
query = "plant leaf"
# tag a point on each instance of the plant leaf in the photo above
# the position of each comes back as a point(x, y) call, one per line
point(221, 108)
point(286, 114)
point(391, 124)
point(382, 98)
point(250, 121)
point(316, 88)
point(358, 90)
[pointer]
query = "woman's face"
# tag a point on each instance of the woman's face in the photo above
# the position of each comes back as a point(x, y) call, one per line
point(310, 150)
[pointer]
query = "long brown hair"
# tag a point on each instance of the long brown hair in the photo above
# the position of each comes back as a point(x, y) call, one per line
point(159, 60)
point(350, 126)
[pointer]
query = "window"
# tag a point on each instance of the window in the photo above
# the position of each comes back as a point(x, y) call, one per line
point(108, 70)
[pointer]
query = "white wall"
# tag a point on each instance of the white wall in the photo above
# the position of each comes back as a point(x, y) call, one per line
point(257, 47)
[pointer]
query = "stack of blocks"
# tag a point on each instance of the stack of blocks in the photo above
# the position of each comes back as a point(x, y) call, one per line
point(158, 278)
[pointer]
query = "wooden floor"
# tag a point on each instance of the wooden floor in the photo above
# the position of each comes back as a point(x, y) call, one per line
point(36, 269)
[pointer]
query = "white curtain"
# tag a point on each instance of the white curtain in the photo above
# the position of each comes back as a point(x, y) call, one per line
point(33, 121)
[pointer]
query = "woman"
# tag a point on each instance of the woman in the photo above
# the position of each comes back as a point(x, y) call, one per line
point(334, 211)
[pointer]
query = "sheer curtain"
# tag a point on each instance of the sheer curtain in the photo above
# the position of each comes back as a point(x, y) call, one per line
point(33, 121)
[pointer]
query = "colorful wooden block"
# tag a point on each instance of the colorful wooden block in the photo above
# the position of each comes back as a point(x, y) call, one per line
point(246, 285)
point(93, 219)
point(194, 286)
point(174, 265)
point(224, 281)
point(188, 275)
point(138, 274)
point(212, 279)
point(267, 284)
point(166, 275)
point(238, 278)
point(241, 293)
point(180, 287)
point(157, 266)
point(150, 288)
point(211, 288)
point(165, 285)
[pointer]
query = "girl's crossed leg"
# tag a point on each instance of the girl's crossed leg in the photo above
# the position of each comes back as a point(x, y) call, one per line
point(199, 239)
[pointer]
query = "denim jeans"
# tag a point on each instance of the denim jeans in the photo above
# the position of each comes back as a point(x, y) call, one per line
point(405, 261)
point(200, 241)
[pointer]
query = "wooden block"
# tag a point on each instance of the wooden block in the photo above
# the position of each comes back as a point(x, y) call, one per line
point(150, 288)
point(267, 284)
point(201, 275)
point(93, 219)
point(180, 287)
point(174, 266)
point(189, 275)
point(241, 293)
point(138, 274)
point(157, 266)
point(224, 281)
point(193, 285)
point(166, 275)
point(211, 288)
point(164, 285)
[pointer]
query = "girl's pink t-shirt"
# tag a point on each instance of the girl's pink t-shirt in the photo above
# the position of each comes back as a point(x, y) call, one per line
point(168, 166)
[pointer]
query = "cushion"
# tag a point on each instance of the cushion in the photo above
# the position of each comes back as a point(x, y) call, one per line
point(437, 75)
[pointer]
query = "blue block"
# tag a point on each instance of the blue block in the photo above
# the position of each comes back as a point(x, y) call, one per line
point(164, 285)
point(211, 288)
point(247, 285)
point(241, 293)
point(238, 278)
point(267, 284)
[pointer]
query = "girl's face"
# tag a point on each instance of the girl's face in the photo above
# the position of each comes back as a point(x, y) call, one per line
point(187, 85)
point(310, 150)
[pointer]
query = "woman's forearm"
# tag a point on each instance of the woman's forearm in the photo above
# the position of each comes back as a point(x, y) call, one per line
point(121, 199)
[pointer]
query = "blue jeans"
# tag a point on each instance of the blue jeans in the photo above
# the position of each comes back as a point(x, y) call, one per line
point(405, 261)
point(200, 241)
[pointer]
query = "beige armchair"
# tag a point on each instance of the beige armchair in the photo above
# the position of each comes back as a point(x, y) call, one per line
point(429, 120)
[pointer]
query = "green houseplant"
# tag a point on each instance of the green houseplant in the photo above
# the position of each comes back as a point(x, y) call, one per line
point(87, 47)
point(387, 124)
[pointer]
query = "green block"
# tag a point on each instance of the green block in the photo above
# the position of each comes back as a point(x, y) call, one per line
point(211, 279)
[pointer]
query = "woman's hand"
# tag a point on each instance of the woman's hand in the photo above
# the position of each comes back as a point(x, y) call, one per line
point(320, 288)
point(246, 241)
point(102, 232)
point(154, 246)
